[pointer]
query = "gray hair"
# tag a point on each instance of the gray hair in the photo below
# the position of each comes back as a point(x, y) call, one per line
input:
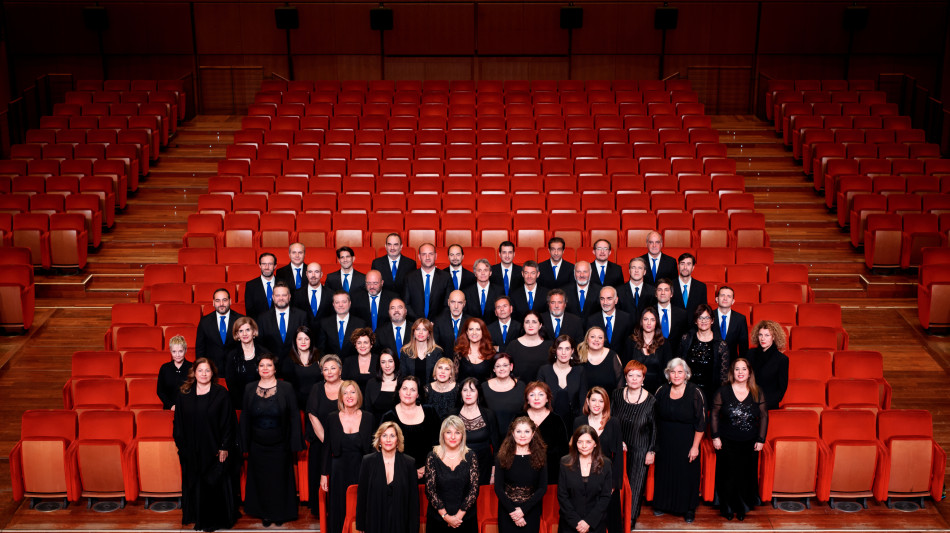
point(675, 362)
point(482, 260)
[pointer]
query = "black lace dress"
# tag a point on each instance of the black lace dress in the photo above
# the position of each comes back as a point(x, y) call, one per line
point(481, 436)
point(739, 424)
point(520, 486)
point(453, 490)
point(444, 403)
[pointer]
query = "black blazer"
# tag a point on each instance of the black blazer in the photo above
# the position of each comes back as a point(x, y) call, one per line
point(621, 327)
point(208, 338)
point(546, 278)
point(591, 300)
point(770, 368)
point(301, 300)
point(331, 340)
point(334, 281)
point(665, 268)
point(255, 297)
point(515, 279)
point(519, 301)
point(633, 306)
point(737, 335)
point(445, 331)
point(697, 295)
point(571, 324)
point(385, 266)
point(473, 302)
point(287, 274)
point(269, 330)
point(514, 331)
point(679, 325)
point(378, 502)
point(386, 337)
point(333, 441)
point(613, 274)
point(465, 280)
point(584, 500)
point(360, 306)
point(440, 285)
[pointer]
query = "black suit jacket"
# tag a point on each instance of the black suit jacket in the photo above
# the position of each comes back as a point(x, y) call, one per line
point(287, 274)
point(591, 300)
point(255, 297)
point(301, 300)
point(335, 281)
point(385, 266)
point(360, 306)
point(386, 337)
point(565, 274)
point(473, 302)
point(634, 307)
point(208, 339)
point(269, 331)
point(613, 274)
point(570, 325)
point(679, 324)
point(665, 268)
point(621, 327)
point(515, 279)
point(519, 301)
point(467, 279)
point(331, 340)
point(440, 285)
point(445, 332)
point(514, 331)
point(737, 335)
point(697, 295)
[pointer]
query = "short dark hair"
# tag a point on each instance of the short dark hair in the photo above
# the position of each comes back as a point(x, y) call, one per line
point(453, 245)
point(265, 254)
point(503, 297)
point(221, 289)
point(556, 240)
point(506, 243)
point(281, 283)
point(342, 249)
point(556, 292)
point(530, 263)
point(685, 256)
point(663, 280)
point(726, 287)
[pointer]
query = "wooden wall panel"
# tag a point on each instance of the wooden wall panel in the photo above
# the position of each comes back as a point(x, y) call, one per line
point(788, 66)
point(903, 28)
point(617, 29)
point(522, 68)
point(430, 68)
point(35, 28)
point(148, 28)
point(520, 29)
point(802, 28)
point(337, 67)
point(82, 67)
point(334, 29)
point(243, 29)
point(869, 66)
point(720, 28)
point(161, 67)
point(615, 67)
point(432, 29)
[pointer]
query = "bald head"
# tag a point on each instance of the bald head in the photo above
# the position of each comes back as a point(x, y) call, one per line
point(314, 274)
point(582, 273)
point(456, 303)
point(374, 282)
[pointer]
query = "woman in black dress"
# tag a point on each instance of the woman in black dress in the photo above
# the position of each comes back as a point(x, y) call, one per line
point(271, 436)
point(419, 424)
point(442, 392)
point(633, 407)
point(481, 429)
point(597, 416)
point(503, 394)
point(362, 367)
point(680, 423)
point(452, 482)
point(387, 494)
point(537, 407)
point(205, 431)
point(585, 486)
point(648, 346)
point(381, 390)
point(302, 368)
point(418, 357)
point(768, 363)
point(349, 436)
point(321, 403)
point(602, 366)
point(530, 351)
point(173, 374)
point(241, 362)
point(521, 478)
point(565, 376)
point(474, 350)
point(707, 357)
point(738, 423)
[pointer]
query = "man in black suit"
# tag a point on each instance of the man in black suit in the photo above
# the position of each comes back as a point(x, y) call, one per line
point(450, 323)
point(371, 302)
point(396, 327)
point(428, 288)
point(730, 325)
point(314, 298)
point(506, 274)
point(393, 266)
point(258, 293)
point(461, 277)
point(636, 295)
point(335, 340)
point(694, 290)
point(505, 329)
point(617, 325)
point(673, 322)
point(479, 297)
point(606, 273)
point(659, 265)
point(530, 296)
point(278, 326)
point(582, 294)
point(294, 273)
point(215, 336)
point(346, 279)
point(555, 273)
point(559, 322)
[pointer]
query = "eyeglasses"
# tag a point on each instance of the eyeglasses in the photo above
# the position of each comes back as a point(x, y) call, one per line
point(704, 319)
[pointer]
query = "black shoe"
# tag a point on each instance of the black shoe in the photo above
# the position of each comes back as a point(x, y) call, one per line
point(657, 512)
point(690, 517)
point(278, 524)
point(266, 523)
point(740, 517)
point(727, 516)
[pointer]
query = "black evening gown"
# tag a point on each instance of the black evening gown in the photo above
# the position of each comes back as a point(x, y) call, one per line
point(452, 490)
point(567, 402)
point(520, 486)
point(481, 436)
point(677, 421)
point(584, 498)
point(238, 372)
point(467, 369)
point(271, 435)
point(203, 425)
point(418, 439)
point(505, 405)
point(442, 402)
point(739, 425)
point(321, 407)
point(708, 362)
point(421, 368)
point(342, 456)
point(655, 363)
point(528, 360)
point(554, 434)
point(770, 368)
point(638, 428)
point(303, 378)
point(378, 401)
point(170, 379)
point(383, 507)
point(607, 374)
point(611, 447)
point(351, 370)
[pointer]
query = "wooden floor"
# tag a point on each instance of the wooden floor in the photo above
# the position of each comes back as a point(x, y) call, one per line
point(73, 312)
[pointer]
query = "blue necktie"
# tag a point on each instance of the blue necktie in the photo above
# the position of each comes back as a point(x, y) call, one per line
point(582, 299)
point(398, 339)
point(346, 282)
point(723, 327)
point(427, 294)
point(223, 329)
point(313, 302)
point(636, 297)
point(373, 312)
point(557, 327)
point(455, 327)
point(665, 324)
point(610, 329)
point(530, 299)
point(270, 295)
point(654, 270)
point(341, 334)
point(554, 270)
point(483, 302)
point(455, 279)
point(394, 270)
point(298, 278)
point(283, 328)
point(506, 282)
point(504, 333)
point(685, 295)
point(602, 274)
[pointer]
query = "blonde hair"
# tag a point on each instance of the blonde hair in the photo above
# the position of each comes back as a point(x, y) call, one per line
point(339, 396)
point(178, 340)
point(410, 347)
point(455, 423)
point(583, 348)
point(401, 444)
point(447, 361)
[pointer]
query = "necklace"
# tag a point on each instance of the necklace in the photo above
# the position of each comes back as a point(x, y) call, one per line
point(626, 395)
point(454, 457)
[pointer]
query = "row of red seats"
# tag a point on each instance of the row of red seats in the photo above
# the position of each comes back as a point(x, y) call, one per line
point(66, 175)
point(656, 91)
point(897, 241)
point(59, 240)
point(132, 394)
point(17, 288)
point(870, 108)
point(825, 366)
point(891, 123)
point(177, 87)
point(480, 85)
point(863, 205)
point(61, 130)
point(157, 125)
point(933, 288)
point(908, 174)
point(86, 205)
point(114, 114)
point(900, 194)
